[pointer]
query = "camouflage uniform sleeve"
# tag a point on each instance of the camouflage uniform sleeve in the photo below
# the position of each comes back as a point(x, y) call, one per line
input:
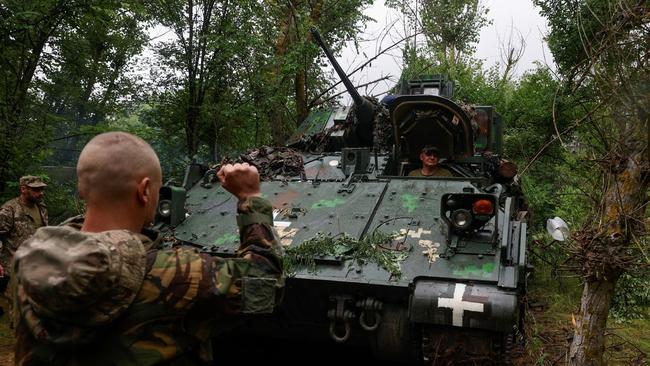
point(255, 221)
point(249, 283)
point(6, 220)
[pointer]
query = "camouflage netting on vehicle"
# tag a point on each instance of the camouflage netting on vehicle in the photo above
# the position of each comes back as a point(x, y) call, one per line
point(381, 126)
point(470, 111)
point(271, 162)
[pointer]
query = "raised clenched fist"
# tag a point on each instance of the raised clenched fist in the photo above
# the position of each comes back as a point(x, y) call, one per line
point(242, 180)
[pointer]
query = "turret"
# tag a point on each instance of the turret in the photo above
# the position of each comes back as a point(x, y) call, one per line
point(364, 109)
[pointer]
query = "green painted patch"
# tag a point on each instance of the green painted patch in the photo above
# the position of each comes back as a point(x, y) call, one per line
point(227, 238)
point(409, 202)
point(484, 271)
point(328, 203)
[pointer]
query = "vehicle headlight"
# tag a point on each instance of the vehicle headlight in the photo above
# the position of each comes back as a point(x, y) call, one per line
point(165, 208)
point(462, 219)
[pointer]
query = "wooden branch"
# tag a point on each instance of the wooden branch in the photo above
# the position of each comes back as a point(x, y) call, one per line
point(550, 142)
point(345, 91)
point(381, 52)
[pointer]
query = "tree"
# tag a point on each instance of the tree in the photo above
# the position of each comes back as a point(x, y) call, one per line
point(204, 30)
point(26, 28)
point(243, 66)
point(511, 51)
point(208, 80)
point(450, 27)
point(88, 74)
point(62, 64)
point(294, 67)
point(602, 50)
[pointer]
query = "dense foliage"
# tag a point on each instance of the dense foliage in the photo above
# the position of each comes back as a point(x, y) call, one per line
point(195, 77)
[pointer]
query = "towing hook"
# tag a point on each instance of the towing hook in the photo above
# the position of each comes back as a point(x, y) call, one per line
point(375, 325)
point(371, 307)
point(334, 320)
point(336, 337)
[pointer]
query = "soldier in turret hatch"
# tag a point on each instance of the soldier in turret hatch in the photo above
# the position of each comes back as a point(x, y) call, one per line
point(101, 291)
point(429, 157)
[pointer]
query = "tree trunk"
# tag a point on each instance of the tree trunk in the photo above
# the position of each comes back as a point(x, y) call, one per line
point(621, 220)
point(302, 109)
point(281, 47)
point(191, 132)
point(301, 97)
point(588, 343)
point(277, 127)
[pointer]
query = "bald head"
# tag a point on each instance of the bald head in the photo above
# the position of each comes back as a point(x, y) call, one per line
point(112, 165)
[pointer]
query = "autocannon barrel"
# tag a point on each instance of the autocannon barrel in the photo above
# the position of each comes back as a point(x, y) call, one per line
point(358, 100)
point(365, 111)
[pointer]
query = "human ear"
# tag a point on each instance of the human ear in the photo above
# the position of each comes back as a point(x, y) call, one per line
point(144, 191)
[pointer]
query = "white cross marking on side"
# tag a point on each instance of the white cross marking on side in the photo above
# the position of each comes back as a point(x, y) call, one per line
point(459, 306)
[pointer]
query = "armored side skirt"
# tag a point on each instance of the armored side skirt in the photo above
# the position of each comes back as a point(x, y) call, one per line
point(478, 306)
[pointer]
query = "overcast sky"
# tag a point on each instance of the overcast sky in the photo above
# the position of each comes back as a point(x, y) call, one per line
point(519, 15)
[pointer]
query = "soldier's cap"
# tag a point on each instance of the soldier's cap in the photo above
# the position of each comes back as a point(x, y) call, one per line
point(430, 149)
point(32, 181)
point(82, 278)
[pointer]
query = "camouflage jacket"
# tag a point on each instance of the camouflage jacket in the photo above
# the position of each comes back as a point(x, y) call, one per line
point(185, 298)
point(16, 225)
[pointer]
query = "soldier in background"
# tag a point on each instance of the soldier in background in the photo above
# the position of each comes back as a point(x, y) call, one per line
point(21, 216)
point(101, 292)
point(19, 219)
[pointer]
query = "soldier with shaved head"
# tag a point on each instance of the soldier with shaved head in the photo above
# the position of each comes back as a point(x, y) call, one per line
point(113, 169)
point(100, 291)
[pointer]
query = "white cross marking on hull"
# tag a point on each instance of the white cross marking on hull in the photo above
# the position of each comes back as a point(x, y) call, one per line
point(458, 306)
point(412, 234)
point(419, 233)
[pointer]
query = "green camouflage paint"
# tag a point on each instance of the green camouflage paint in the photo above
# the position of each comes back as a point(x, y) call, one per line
point(227, 238)
point(409, 202)
point(484, 271)
point(328, 203)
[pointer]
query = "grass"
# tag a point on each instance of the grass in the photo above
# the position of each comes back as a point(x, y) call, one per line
point(628, 341)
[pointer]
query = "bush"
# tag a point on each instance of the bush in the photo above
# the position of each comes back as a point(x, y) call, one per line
point(632, 298)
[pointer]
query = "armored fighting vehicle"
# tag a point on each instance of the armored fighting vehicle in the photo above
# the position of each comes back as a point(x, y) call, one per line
point(423, 270)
